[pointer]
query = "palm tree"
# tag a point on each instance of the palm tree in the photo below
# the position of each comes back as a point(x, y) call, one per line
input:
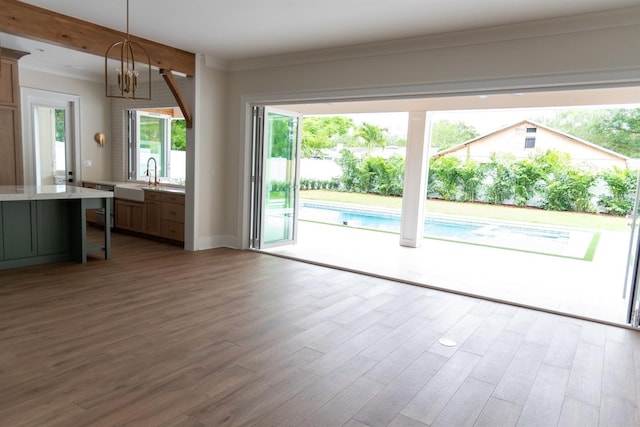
point(373, 135)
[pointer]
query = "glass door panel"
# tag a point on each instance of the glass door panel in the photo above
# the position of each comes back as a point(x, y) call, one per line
point(54, 154)
point(631, 288)
point(152, 142)
point(278, 178)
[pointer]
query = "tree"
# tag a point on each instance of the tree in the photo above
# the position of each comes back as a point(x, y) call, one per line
point(372, 135)
point(179, 135)
point(323, 132)
point(60, 125)
point(614, 129)
point(445, 134)
point(621, 129)
point(281, 131)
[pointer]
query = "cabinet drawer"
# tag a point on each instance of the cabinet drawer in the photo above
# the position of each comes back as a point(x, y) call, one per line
point(172, 230)
point(152, 195)
point(173, 212)
point(172, 198)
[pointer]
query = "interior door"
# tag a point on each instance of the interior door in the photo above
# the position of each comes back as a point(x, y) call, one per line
point(275, 180)
point(53, 144)
point(51, 126)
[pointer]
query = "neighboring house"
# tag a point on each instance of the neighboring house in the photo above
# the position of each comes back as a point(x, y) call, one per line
point(525, 138)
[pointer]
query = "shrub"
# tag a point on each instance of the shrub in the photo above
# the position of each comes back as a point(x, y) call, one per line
point(622, 188)
point(569, 190)
point(444, 176)
point(502, 178)
point(470, 177)
point(371, 174)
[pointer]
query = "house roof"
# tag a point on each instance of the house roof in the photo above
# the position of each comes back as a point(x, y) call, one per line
point(533, 124)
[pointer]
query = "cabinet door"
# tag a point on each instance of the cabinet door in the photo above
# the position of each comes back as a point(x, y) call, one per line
point(10, 147)
point(18, 229)
point(9, 82)
point(172, 230)
point(129, 215)
point(53, 227)
point(173, 212)
point(122, 214)
point(137, 216)
point(152, 213)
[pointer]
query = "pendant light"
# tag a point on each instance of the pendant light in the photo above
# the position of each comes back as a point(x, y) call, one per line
point(134, 63)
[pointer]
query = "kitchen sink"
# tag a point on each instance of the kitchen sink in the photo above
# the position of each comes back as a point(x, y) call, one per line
point(132, 192)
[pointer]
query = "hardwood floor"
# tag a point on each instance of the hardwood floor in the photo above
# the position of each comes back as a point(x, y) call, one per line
point(162, 337)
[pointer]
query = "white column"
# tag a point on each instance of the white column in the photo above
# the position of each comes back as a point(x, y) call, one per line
point(415, 180)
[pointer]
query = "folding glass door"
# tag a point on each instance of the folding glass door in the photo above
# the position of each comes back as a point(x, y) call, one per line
point(275, 177)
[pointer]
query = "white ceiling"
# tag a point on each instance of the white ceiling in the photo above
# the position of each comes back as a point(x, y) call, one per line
point(242, 29)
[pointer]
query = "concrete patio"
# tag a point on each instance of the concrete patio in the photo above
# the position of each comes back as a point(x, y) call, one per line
point(581, 288)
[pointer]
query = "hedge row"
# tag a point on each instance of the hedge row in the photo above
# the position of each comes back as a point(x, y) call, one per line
point(546, 180)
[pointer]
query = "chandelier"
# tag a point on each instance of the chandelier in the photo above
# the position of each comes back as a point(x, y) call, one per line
point(123, 82)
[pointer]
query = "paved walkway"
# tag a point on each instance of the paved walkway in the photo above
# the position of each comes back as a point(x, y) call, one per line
point(589, 289)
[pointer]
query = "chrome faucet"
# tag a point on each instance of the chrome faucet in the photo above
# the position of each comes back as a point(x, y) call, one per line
point(155, 171)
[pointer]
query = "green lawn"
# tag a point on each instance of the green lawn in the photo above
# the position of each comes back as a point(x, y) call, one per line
point(509, 213)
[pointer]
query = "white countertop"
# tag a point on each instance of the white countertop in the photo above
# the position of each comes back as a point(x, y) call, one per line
point(162, 187)
point(49, 192)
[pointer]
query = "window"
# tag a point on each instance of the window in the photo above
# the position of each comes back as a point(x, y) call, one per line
point(530, 138)
point(161, 137)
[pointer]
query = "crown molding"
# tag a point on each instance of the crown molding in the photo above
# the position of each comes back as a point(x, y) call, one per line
point(616, 18)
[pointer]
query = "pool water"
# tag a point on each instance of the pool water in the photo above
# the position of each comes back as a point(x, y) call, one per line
point(485, 233)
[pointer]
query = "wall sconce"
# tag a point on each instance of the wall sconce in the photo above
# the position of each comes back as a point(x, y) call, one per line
point(100, 138)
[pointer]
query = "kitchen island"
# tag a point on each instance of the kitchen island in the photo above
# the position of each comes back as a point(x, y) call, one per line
point(47, 223)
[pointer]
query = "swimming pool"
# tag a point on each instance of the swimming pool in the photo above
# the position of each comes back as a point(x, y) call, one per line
point(563, 242)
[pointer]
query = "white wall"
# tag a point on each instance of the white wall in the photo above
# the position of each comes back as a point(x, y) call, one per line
point(94, 116)
point(585, 50)
point(210, 162)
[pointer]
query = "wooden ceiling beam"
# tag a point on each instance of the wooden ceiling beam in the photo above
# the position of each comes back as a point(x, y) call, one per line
point(175, 90)
point(25, 20)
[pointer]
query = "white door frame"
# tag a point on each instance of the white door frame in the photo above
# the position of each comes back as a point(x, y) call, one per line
point(36, 97)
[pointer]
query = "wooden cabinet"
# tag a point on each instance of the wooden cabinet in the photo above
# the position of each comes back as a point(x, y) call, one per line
point(129, 215)
point(30, 229)
point(164, 214)
point(53, 227)
point(18, 229)
point(152, 212)
point(11, 163)
point(160, 215)
point(172, 217)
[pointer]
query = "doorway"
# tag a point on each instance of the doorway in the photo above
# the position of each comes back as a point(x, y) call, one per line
point(401, 269)
point(52, 154)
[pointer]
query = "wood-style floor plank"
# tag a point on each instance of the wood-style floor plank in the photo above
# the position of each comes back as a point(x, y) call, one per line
point(158, 336)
